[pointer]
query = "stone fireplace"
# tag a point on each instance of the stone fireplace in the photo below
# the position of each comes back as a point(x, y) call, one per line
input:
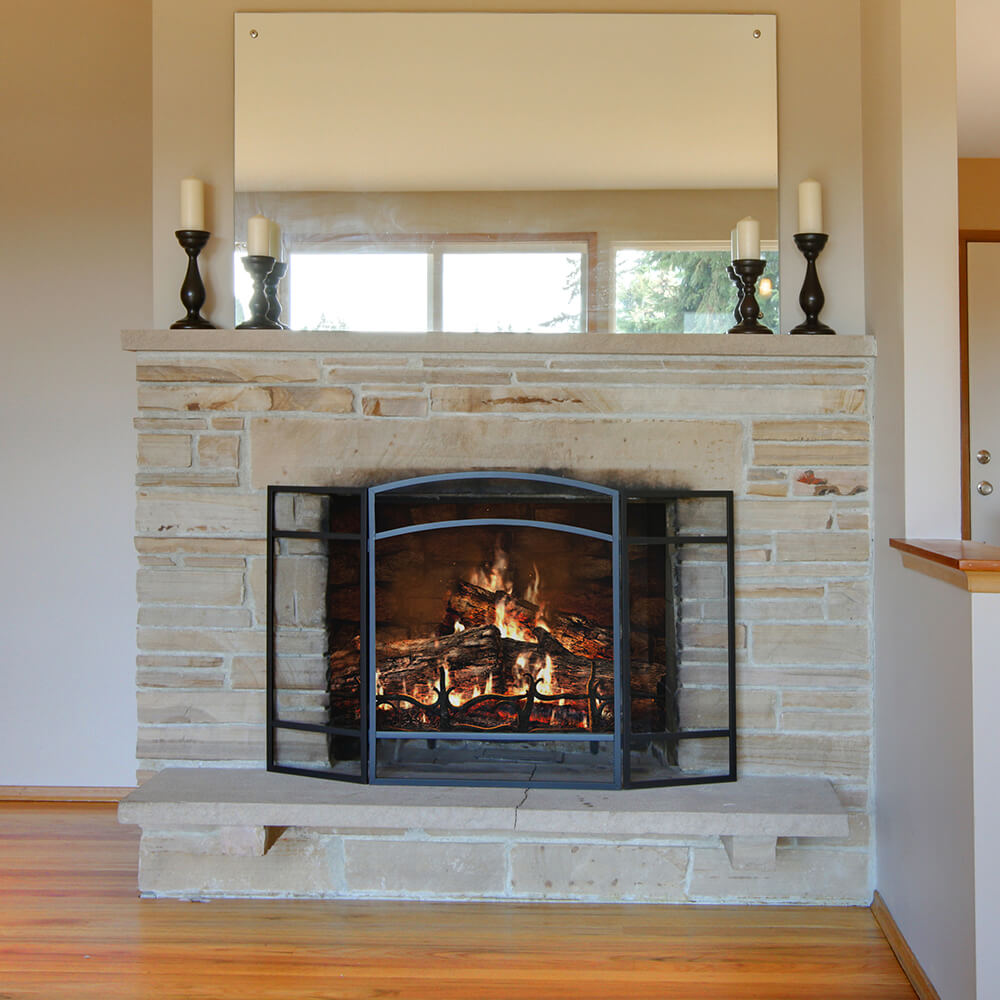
point(783, 422)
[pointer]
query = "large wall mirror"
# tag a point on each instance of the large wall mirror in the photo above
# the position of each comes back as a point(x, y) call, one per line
point(507, 172)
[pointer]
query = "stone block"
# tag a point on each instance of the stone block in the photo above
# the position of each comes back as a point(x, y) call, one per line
point(182, 617)
point(853, 520)
point(810, 430)
point(394, 406)
point(823, 546)
point(764, 592)
point(598, 872)
point(784, 515)
point(165, 450)
point(810, 455)
point(199, 514)
point(214, 562)
point(824, 701)
point(250, 399)
point(202, 707)
point(218, 587)
point(177, 662)
point(708, 708)
point(259, 368)
point(232, 841)
point(205, 640)
point(849, 601)
point(777, 611)
point(299, 590)
point(218, 451)
point(201, 743)
point(422, 869)
point(710, 635)
point(810, 644)
point(198, 546)
point(227, 423)
point(801, 875)
point(786, 572)
point(788, 678)
point(845, 482)
point(169, 423)
point(652, 452)
point(300, 864)
point(776, 489)
point(751, 853)
point(833, 755)
point(192, 477)
point(151, 677)
point(798, 721)
point(710, 401)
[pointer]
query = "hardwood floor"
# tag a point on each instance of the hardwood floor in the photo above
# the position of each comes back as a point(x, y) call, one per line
point(71, 925)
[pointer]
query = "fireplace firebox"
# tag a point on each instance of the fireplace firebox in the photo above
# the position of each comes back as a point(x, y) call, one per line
point(501, 628)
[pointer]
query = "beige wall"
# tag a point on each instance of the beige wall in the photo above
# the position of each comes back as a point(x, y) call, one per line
point(923, 746)
point(819, 132)
point(979, 193)
point(75, 257)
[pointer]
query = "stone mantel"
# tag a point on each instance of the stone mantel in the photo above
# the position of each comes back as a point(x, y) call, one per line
point(335, 341)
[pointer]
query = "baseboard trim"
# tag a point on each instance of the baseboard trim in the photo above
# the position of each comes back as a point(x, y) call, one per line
point(62, 793)
point(923, 987)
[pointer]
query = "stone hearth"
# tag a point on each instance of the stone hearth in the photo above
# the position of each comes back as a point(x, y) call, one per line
point(782, 421)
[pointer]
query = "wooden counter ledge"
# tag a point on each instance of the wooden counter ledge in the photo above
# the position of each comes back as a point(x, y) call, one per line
point(973, 566)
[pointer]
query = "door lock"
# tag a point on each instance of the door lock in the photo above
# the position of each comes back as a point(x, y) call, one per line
point(983, 456)
point(984, 488)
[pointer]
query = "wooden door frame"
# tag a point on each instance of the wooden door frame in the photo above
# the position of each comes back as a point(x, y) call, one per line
point(965, 237)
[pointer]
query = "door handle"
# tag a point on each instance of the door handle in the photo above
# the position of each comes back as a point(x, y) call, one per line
point(983, 456)
point(984, 488)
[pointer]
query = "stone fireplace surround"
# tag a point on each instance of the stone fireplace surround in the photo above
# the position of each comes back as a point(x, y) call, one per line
point(783, 421)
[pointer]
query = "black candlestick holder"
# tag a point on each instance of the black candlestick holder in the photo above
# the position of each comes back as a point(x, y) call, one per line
point(748, 312)
point(259, 267)
point(735, 279)
point(271, 283)
point(811, 298)
point(193, 290)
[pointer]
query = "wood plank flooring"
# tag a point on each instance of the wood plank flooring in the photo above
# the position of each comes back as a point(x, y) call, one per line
point(71, 925)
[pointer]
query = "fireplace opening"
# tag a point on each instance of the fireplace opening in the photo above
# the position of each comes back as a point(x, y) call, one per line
point(503, 629)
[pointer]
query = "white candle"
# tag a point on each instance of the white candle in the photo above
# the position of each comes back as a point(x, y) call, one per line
point(747, 239)
point(735, 246)
point(192, 203)
point(258, 236)
point(810, 207)
point(274, 240)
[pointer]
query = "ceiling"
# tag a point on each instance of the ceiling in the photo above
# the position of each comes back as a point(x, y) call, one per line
point(978, 27)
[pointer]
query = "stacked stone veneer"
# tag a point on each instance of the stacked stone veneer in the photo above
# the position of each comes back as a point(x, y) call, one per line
point(784, 422)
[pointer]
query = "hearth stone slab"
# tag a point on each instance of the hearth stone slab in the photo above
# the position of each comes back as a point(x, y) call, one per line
point(229, 832)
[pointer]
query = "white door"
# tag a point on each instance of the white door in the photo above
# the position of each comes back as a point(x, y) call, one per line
point(984, 391)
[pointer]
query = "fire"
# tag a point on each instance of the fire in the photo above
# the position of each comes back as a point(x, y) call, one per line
point(496, 577)
point(545, 678)
point(459, 627)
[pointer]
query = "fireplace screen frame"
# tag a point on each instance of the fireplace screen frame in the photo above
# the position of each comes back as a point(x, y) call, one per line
point(369, 736)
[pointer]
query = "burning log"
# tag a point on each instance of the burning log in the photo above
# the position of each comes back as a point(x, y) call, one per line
point(471, 658)
point(475, 606)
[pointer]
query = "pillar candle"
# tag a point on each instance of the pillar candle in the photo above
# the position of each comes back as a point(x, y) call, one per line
point(747, 239)
point(810, 207)
point(192, 203)
point(258, 236)
point(735, 247)
point(274, 240)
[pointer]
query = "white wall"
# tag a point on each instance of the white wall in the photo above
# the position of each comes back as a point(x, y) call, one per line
point(819, 130)
point(76, 263)
point(923, 640)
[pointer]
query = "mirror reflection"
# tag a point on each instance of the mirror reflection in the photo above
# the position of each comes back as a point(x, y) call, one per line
point(507, 172)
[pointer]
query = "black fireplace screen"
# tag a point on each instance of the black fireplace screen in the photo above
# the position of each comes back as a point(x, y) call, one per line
point(501, 629)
